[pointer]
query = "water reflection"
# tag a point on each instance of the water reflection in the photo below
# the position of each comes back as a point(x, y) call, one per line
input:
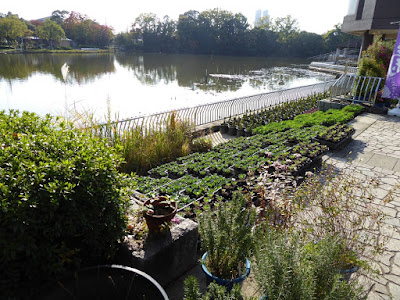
point(83, 68)
point(207, 73)
point(139, 84)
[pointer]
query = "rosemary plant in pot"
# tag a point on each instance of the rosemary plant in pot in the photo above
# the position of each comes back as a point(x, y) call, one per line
point(226, 238)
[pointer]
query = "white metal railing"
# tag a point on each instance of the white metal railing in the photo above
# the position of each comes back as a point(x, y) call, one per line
point(361, 89)
point(217, 111)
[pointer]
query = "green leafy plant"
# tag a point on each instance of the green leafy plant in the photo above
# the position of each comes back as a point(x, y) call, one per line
point(214, 291)
point(62, 198)
point(287, 267)
point(335, 133)
point(226, 236)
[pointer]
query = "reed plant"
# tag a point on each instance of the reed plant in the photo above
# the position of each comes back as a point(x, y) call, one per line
point(143, 145)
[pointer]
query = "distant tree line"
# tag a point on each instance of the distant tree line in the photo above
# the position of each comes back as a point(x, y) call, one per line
point(222, 32)
point(212, 31)
point(61, 24)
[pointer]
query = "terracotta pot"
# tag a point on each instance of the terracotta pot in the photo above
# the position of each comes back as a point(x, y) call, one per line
point(154, 222)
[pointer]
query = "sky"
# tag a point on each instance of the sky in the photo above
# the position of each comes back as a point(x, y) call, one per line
point(317, 16)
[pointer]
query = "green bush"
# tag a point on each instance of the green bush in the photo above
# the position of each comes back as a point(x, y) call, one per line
point(62, 202)
point(214, 291)
point(290, 267)
point(226, 236)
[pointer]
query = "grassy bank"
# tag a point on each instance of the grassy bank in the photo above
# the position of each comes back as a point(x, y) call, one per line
point(32, 51)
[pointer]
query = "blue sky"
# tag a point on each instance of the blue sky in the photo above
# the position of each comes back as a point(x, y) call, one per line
point(317, 16)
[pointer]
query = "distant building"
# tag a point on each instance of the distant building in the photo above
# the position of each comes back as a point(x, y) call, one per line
point(260, 15)
point(367, 18)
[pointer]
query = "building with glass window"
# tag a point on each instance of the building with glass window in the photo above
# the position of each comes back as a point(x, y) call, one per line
point(367, 18)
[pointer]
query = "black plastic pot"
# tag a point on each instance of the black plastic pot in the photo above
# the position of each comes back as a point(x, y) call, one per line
point(223, 128)
point(240, 132)
point(336, 146)
point(248, 132)
point(232, 130)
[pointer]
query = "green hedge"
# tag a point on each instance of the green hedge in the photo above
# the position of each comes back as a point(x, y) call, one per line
point(62, 199)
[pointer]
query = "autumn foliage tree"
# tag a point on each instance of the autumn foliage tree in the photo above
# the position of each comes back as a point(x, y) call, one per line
point(85, 31)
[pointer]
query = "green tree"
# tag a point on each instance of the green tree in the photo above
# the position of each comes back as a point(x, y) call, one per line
point(285, 27)
point(59, 16)
point(336, 37)
point(263, 23)
point(305, 44)
point(12, 28)
point(147, 22)
point(262, 42)
point(51, 32)
point(188, 31)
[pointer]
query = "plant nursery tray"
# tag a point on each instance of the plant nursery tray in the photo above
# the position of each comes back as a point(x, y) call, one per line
point(336, 146)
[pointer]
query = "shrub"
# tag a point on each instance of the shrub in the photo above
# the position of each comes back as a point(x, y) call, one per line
point(226, 236)
point(376, 59)
point(214, 291)
point(62, 201)
point(287, 268)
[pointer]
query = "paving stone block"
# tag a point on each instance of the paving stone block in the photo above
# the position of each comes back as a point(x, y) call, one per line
point(385, 162)
point(394, 290)
point(381, 289)
point(377, 296)
point(390, 181)
point(396, 167)
point(393, 245)
point(394, 279)
point(392, 221)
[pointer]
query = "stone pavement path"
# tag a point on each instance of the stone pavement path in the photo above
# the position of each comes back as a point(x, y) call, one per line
point(373, 153)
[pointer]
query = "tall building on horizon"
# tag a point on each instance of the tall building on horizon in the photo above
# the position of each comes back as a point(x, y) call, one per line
point(260, 15)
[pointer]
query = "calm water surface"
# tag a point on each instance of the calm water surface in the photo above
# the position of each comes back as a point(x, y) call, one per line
point(131, 85)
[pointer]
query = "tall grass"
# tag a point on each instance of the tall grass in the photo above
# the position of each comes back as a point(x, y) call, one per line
point(143, 146)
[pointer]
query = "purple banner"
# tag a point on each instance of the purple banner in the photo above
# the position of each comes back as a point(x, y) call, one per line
point(392, 85)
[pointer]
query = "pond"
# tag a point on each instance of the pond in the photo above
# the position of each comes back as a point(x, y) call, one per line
point(128, 85)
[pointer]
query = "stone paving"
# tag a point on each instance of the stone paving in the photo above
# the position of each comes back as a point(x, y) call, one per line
point(373, 153)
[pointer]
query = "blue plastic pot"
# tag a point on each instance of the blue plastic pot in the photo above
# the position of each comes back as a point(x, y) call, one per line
point(228, 284)
point(347, 273)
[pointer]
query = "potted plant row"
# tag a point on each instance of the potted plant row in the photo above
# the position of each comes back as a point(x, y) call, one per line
point(336, 136)
point(286, 111)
